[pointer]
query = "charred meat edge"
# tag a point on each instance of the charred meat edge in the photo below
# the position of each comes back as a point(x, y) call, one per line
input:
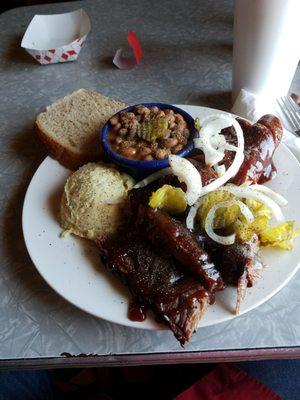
point(156, 281)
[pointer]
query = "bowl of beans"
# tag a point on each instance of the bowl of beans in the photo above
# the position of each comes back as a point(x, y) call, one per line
point(141, 137)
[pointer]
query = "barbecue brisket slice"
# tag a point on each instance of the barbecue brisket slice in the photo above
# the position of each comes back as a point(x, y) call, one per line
point(238, 263)
point(261, 141)
point(163, 231)
point(156, 281)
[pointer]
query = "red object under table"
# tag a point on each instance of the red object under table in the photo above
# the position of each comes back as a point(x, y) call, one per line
point(227, 382)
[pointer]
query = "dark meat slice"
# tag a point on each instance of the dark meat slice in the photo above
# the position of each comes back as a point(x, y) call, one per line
point(231, 260)
point(245, 125)
point(274, 125)
point(241, 291)
point(178, 241)
point(251, 273)
point(238, 263)
point(171, 235)
point(237, 258)
point(268, 173)
point(231, 137)
point(261, 140)
point(156, 281)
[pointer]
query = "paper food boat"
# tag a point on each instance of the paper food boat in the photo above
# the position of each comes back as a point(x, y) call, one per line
point(57, 37)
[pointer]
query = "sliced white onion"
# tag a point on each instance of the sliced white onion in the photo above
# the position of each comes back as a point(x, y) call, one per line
point(220, 169)
point(153, 177)
point(230, 147)
point(247, 193)
point(218, 141)
point(280, 200)
point(245, 210)
point(216, 123)
point(186, 172)
point(190, 219)
point(239, 156)
point(209, 221)
point(212, 153)
point(211, 142)
point(191, 216)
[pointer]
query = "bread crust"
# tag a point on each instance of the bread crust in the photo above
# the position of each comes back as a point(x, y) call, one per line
point(68, 158)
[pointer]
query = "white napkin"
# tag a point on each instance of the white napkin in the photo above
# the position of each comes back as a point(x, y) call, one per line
point(252, 106)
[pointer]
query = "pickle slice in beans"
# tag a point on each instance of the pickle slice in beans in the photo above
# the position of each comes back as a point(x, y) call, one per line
point(197, 124)
point(153, 129)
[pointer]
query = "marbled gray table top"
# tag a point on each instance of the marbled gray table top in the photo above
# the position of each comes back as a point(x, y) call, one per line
point(187, 59)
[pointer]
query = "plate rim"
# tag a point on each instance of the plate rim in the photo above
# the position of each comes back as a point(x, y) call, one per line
point(157, 326)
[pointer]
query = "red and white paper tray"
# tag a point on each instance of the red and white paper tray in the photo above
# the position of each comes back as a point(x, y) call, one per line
point(57, 37)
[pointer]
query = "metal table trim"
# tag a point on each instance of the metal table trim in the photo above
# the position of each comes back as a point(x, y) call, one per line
point(94, 360)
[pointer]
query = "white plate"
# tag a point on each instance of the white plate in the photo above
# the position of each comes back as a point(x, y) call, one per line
point(72, 267)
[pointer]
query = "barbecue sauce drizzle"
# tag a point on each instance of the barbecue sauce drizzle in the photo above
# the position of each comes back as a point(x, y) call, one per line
point(137, 311)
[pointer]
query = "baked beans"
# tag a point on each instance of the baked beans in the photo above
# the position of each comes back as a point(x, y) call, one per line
point(148, 133)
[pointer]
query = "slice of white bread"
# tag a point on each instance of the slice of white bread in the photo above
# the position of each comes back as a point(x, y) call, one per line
point(70, 128)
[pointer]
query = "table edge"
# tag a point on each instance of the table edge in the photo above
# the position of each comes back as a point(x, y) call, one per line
point(94, 360)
